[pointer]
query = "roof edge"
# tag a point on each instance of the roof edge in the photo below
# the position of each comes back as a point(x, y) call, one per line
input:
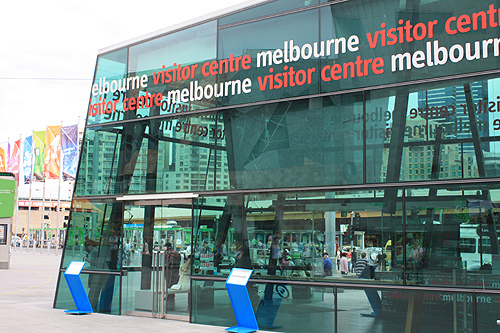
point(199, 19)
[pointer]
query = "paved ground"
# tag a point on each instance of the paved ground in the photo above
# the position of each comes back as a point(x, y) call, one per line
point(26, 296)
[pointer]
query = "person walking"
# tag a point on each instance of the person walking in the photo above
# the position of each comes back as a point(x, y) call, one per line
point(339, 255)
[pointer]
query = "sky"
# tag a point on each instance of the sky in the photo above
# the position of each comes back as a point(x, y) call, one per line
point(49, 49)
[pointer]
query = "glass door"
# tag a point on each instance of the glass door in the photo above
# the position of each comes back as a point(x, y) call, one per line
point(156, 258)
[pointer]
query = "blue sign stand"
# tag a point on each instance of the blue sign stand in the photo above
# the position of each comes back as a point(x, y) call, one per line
point(236, 285)
point(72, 275)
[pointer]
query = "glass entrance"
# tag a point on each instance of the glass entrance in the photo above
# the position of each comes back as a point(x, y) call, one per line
point(156, 258)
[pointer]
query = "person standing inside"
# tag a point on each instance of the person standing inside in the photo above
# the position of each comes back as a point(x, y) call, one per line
point(338, 257)
point(327, 265)
point(380, 261)
point(349, 259)
point(275, 257)
point(114, 247)
point(172, 262)
point(275, 254)
point(344, 266)
point(361, 264)
point(373, 258)
point(126, 252)
point(354, 259)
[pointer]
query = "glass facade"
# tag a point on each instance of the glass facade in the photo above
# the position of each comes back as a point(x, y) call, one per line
point(346, 152)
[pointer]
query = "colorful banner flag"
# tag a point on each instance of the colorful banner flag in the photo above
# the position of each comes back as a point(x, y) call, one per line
point(2, 160)
point(28, 159)
point(13, 164)
point(69, 146)
point(52, 152)
point(38, 150)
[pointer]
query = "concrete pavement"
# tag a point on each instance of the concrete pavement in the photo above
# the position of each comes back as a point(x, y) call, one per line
point(27, 293)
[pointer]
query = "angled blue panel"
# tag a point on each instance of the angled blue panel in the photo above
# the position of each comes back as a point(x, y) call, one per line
point(236, 285)
point(72, 276)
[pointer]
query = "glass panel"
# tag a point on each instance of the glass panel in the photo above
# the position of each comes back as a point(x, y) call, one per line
point(296, 143)
point(211, 304)
point(171, 63)
point(403, 311)
point(487, 312)
point(92, 235)
point(103, 291)
point(157, 257)
point(429, 134)
point(285, 239)
point(176, 155)
point(285, 236)
point(443, 232)
point(223, 175)
point(297, 78)
point(98, 169)
point(278, 307)
point(218, 236)
point(265, 9)
point(302, 308)
point(162, 76)
point(446, 108)
point(111, 67)
point(179, 154)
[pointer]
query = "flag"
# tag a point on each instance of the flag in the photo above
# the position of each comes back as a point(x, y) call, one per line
point(52, 152)
point(28, 159)
point(69, 146)
point(13, 164)
point(2, 160)
point(38, 150)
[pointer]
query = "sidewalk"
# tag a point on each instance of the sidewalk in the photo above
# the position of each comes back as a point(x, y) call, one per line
point(26, 296)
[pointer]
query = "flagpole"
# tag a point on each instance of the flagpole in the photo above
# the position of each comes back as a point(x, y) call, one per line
point(18, 181)
point(42, 237)
point(46, 151)
point(48, 242)
point(61, 161)
point(31, 183)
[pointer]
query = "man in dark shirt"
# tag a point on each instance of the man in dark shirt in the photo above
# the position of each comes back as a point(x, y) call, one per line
point(354, 258)
point(327, 265)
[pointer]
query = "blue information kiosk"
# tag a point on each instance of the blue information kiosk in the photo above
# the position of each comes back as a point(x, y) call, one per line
point(236, 285)
point(72, 276)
